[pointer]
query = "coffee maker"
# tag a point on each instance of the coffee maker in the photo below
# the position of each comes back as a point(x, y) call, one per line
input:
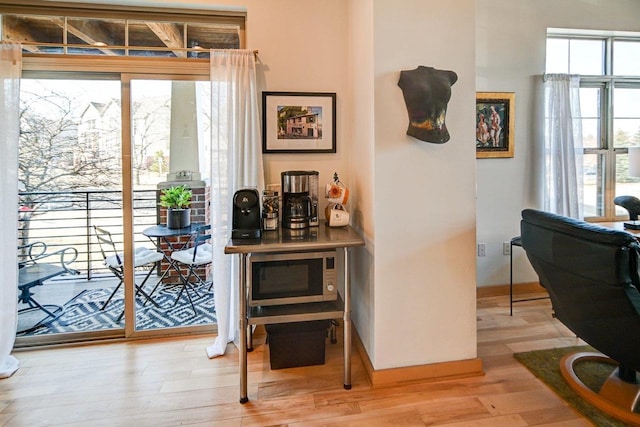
point(246, 214)
point(299, 199)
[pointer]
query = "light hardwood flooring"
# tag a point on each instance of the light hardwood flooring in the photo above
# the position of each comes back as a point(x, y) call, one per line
point(169, 382)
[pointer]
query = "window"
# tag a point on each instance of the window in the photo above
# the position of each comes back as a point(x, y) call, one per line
point(120, 31)
point(609, 89)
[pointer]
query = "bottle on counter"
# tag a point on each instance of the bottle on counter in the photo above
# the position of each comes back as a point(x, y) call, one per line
point(270, 210)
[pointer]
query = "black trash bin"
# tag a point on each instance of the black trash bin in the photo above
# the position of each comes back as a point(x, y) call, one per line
point(297, 344)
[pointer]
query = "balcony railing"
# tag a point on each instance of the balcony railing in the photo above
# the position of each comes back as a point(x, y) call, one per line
point(66, 218)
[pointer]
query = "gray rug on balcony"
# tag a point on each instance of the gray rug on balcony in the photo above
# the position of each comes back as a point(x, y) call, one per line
point(83, 313)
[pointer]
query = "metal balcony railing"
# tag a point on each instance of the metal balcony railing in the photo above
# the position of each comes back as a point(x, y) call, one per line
point(66, 218)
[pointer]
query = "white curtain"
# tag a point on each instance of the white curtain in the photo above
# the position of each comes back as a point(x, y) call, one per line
point(10, 70)
point(563, 146)
point(236, 162)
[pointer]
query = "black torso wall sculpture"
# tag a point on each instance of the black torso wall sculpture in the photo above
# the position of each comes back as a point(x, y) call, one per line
point(426, 93)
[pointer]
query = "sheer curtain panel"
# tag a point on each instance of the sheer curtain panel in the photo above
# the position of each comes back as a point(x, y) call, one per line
point(10, 70)
point(236, 162)
point(562, 146)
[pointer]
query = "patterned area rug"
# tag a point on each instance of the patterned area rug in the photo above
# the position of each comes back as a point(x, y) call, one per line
point(83, 313)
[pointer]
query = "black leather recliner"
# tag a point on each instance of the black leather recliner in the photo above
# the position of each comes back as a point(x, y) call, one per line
point(591, 274)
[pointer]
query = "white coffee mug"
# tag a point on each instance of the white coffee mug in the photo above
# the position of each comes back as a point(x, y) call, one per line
point(337, 194)
point(338, 216)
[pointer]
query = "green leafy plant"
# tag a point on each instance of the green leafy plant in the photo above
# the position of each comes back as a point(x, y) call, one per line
point(176, 197)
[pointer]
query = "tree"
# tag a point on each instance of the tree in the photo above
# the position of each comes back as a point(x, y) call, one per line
point(52, 156)
point(623, 139)
point(150, 125)
point(158, 163)
point(636, 138)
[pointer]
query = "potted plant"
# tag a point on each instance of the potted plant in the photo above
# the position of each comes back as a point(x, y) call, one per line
point(177, 200)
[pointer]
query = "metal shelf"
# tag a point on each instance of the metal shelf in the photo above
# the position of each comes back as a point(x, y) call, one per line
point(304, 312)
point(320, 238)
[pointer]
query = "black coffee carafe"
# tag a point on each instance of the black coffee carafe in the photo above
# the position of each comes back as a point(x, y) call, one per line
point(297, 204)
point(246, 214)
point(297, 210)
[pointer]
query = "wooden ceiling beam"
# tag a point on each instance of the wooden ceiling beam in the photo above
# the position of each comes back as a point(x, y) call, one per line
point(19, 33)
point(91, 34)
point(36, 33)
point(170, 35)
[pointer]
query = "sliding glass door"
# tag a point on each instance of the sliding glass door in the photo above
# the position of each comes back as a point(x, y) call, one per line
point(70, 177)
point(169, 128)
point(95, 151)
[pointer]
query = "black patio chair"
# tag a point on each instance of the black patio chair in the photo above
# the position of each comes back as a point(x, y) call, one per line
point(114, 260)
point(198, 256)
point(36, 265)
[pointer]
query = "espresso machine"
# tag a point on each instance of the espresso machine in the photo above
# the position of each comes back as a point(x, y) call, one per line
point(299, 199)
point(246, 214)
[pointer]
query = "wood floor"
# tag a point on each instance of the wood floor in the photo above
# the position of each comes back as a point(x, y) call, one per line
point(169, 382)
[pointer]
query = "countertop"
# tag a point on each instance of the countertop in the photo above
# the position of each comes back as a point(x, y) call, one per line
point(284, 240)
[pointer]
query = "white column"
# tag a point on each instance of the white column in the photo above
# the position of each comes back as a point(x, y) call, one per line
point(183, 145)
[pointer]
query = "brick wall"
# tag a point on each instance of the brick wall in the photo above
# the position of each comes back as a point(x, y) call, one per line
point(200, 215)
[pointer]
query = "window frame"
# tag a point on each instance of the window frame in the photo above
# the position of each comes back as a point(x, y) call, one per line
point(122, 68)
point(607, 83)
point(128, 13)
point(115, 68)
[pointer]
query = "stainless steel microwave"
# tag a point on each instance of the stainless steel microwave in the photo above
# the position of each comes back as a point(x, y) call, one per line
point(292, 278)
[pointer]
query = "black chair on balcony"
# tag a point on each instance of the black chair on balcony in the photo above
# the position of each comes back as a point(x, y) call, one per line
point(592, 276)
point(36, 265)
point(114, 260)
point(200, 255)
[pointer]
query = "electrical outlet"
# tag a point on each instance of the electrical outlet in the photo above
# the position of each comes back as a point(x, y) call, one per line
point(482, 249)
point(506, 248)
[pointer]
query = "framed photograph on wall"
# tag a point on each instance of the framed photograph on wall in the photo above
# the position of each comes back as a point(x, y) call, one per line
point(298, 122)
point(495, 119)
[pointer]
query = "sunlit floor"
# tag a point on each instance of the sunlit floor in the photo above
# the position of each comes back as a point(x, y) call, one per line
point(170, 381)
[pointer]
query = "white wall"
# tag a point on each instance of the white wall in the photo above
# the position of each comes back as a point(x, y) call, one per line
point(510, 57)
point(414, 287)
point(302, 48)
point(414, 282)
point(362, 142)
point(424, 200)
point(414, 300)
